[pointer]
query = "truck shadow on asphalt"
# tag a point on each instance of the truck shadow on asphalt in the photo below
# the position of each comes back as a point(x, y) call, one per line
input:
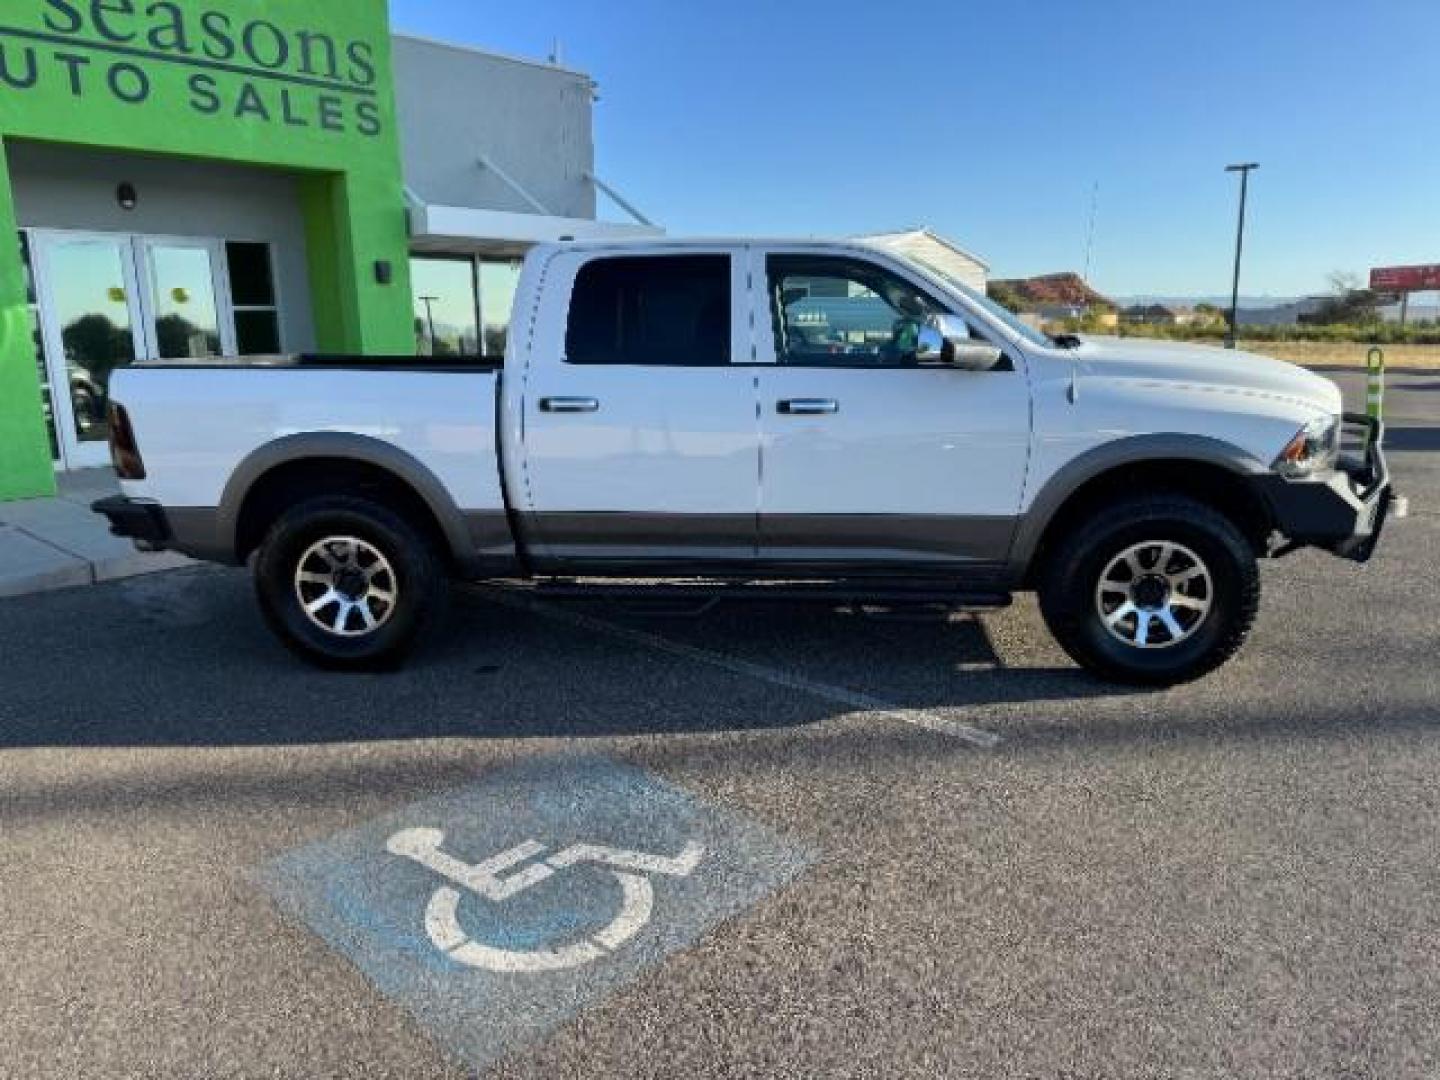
point(183, 660)
point(1412, 439)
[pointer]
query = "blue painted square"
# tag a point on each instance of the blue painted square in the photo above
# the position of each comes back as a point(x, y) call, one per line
point(608, 870)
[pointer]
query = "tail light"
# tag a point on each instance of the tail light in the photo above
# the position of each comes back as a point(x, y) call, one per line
point(124, 453)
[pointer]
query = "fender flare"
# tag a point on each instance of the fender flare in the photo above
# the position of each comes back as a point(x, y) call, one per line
point(1130, 450)
point(348, 446)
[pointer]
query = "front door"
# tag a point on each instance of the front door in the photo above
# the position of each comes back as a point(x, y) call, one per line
point(868, 458)
point(107, 300)
point(640, 440)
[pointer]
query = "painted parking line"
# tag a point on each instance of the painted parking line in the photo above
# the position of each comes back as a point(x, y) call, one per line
point(835, 695)
point(496, 912)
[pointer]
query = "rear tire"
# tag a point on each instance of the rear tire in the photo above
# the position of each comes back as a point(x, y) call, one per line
point(1152, 591)
point(348, 584)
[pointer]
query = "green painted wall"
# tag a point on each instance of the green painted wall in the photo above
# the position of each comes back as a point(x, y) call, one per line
point(25, 468)
point(301, 85)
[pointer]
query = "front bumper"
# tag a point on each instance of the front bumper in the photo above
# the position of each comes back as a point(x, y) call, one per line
point(1343, 511)
point(143, 522)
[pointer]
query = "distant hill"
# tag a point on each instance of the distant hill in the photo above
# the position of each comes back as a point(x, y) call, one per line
point(1053, 290)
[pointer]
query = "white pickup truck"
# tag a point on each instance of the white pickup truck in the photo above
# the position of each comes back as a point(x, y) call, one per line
point(755, 418)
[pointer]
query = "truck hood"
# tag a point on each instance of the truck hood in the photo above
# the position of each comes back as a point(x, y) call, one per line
point(1202, 367)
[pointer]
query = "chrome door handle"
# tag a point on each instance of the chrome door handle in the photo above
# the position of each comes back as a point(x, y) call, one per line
point(807, 407)
point(569, 404)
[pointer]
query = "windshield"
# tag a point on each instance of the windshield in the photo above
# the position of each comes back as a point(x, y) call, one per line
point(999, 313)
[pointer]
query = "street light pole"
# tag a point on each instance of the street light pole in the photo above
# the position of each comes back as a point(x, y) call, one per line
point(1244, 171)
point(430, 318)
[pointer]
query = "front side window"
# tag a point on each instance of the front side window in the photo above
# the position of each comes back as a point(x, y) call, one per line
point(839, 311)
point(663, 310)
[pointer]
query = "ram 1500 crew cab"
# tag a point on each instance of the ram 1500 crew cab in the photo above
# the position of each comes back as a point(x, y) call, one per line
point(815, 418)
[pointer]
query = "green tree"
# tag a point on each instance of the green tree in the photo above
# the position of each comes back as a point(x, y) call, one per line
point(1349, 304)
point(1006, 295)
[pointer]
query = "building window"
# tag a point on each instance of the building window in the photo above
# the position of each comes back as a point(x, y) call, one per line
point(253, 298)
point(446, 306)
point(498, 279)
point(32, 308)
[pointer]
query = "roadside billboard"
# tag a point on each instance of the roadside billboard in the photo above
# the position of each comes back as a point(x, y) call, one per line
point(1405, 278)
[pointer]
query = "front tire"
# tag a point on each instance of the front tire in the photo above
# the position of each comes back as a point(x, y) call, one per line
point(346, 583)
point(1152, 591)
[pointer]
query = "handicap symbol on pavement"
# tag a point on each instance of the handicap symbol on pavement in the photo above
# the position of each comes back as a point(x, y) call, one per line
point(442, 920)
point(495, 911)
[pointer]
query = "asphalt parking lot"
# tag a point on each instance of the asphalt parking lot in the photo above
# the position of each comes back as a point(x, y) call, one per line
point(926, 848)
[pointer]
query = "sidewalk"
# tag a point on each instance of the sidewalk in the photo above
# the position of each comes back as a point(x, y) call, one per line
point(58, 543)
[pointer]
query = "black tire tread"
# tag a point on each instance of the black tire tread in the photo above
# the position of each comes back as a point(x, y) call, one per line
point(425, 582)
point(1065, 608)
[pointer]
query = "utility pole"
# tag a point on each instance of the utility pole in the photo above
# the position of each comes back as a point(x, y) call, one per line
point(1244, 171)
point(1090, 232)
point(430, 318)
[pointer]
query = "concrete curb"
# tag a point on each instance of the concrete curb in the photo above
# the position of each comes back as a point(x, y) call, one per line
point(60, 543)
point(31, 564)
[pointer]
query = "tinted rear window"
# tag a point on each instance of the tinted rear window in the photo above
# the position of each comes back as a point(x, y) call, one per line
point(670, 310)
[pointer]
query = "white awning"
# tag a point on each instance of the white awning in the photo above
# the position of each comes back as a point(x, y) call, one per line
point(466, 230)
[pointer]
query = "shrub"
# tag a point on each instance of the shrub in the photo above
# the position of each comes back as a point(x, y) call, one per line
point(1371, 334)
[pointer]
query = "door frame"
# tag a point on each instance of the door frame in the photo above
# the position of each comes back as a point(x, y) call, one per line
point(219, 282)
point(918, 535)
point(139, 285)
point(75, 453)
point(606, 525)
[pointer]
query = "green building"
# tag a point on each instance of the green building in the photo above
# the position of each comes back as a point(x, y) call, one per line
point(191, 179)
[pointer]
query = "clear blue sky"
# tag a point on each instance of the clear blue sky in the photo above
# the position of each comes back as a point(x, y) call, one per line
point(992, 121)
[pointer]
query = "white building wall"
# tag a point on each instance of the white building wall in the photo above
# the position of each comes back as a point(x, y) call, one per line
point(924, 247)
point(532, 120)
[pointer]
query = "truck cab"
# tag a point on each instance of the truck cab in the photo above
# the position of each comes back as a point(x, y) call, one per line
point(738, 406)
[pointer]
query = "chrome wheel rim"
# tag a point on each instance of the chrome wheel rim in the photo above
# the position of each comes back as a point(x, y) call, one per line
point(346, 586)
point(1154, 595)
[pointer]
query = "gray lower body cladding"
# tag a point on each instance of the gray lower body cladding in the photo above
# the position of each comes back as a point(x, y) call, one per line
point(840, 543)
point(610, 542)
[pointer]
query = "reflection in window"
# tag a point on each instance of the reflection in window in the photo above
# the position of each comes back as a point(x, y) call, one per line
point(92, 308)
point(32, 307)
point(498, 279)
point(445, 306)
point(252, 294)
point(187, 326)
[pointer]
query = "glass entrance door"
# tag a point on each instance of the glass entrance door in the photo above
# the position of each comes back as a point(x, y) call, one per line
point(182, 300)
point(91, 325)
point(106, 300)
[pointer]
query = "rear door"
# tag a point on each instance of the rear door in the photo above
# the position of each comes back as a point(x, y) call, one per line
point(868, 458)
point(641, 443)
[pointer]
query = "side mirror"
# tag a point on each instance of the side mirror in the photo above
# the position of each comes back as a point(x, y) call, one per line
point(946, 341)
point(977, 356)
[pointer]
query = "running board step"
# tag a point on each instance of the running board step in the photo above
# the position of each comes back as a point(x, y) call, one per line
point(710, 592)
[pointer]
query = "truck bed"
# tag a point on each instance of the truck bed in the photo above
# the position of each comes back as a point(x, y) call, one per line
point(438, 413)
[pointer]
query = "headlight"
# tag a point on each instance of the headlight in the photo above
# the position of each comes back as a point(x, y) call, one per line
point(1316, 446)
